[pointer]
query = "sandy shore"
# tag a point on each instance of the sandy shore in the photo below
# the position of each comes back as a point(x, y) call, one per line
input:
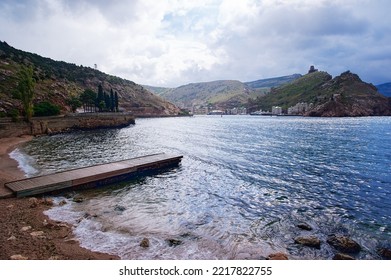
point(25, 232)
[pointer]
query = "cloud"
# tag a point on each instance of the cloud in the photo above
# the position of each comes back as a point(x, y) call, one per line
point(174, 42)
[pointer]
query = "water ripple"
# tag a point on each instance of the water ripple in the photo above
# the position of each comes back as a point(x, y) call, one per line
point(243, 185)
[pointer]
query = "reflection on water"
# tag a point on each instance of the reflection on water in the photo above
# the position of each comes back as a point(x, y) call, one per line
point(243, 186)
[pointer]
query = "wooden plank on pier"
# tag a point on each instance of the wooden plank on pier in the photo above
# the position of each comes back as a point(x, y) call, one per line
point(95, 175)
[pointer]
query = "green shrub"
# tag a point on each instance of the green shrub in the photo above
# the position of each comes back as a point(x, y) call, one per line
point(14, 114)
point(46, 108)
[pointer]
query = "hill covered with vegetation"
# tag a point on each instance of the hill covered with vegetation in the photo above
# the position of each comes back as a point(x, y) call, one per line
point(58, 81)
point(344, 95)
point(223, 94)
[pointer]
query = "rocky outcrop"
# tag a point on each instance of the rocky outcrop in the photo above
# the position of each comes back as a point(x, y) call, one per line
point(348, 96)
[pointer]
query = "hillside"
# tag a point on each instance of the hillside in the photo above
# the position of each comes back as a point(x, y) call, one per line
point(344, 95)
point(384, 89)
point(223, 95)
point(220, 94)
point(272, 82)
point(57, 80)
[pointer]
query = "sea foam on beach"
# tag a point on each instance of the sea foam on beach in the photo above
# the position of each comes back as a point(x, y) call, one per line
point(24, 162)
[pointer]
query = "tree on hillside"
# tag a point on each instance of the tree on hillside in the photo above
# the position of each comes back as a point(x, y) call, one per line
point(101, 98)
point(116, 101)
point(74, 103)
point(88, 98)
point(25, 90)
point(112, 101)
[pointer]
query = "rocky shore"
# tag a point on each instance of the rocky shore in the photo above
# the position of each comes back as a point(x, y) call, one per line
point(25, 231)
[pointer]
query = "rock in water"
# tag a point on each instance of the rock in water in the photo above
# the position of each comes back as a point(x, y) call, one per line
point(344, 244)
point(174, 242)
point(340, 256)
point(310, 241)
point(277, 256)
point(385, 253)
point(78, 199)
point(304, 226)
point(144, 243)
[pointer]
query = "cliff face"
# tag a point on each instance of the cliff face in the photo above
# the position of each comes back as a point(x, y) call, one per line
point(56, 81)
point(348, 96)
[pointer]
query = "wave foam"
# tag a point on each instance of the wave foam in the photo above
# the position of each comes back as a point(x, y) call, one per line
point(24, 162)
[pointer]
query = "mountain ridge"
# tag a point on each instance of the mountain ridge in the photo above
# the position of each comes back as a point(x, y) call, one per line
point(219, 94)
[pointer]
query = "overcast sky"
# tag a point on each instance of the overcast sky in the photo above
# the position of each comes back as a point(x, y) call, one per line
point(174, 42)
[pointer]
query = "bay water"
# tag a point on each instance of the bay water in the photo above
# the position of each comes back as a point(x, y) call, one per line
point(244, 184)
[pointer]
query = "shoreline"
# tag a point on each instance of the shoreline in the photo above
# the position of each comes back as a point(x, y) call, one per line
point(25, 231)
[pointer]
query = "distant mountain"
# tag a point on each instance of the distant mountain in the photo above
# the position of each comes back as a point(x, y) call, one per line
point(384, 89)
point(272, 82)
point(344, 95)
point(219, 94)
point(224, 94)
point(57, 80)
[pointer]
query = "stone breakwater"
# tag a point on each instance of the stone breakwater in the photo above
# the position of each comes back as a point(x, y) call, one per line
point(58, 124)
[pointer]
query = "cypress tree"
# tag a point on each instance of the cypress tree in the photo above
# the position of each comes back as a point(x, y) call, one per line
point(116, 101)
point(100, 97)
point(107, 102)
point(112, 101)
point(25, 90)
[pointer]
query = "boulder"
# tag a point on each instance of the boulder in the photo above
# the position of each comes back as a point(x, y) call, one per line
point(344, 244)
point(309, 241)
point(144, 243)
point(340, 256)
point(277, 256)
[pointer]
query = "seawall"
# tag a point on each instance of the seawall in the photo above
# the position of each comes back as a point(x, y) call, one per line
point(58, 124)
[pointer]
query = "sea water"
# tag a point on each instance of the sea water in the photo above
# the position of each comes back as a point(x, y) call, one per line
point(244, 184)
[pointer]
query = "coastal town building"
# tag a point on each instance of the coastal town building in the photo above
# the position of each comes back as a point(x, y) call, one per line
point(300, 108)
point(276, 110)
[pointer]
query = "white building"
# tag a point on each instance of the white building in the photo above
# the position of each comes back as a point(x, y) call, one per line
point(299, 108)
point(276, 110)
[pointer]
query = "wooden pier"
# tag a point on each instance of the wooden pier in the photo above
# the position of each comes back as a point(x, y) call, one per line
point(93, 176)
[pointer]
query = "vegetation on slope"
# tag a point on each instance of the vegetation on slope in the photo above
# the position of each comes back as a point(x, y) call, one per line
point(57, 82)
point(344, 95)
